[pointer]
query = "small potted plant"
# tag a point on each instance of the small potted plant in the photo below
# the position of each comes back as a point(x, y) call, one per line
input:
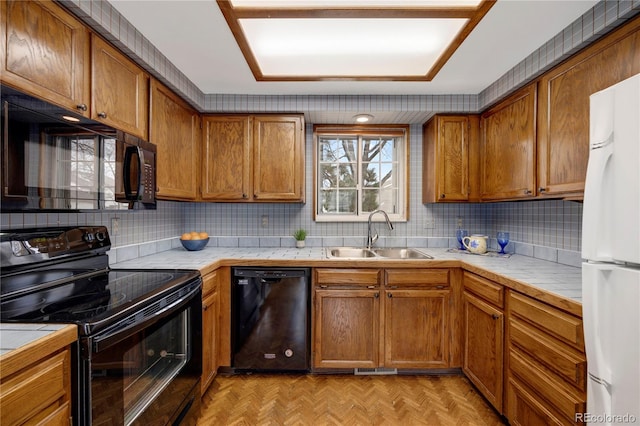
point(300, 236)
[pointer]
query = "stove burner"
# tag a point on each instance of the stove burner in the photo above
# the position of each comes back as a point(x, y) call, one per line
point(82, 306)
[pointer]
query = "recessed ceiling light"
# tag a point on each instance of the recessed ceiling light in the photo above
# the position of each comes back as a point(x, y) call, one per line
point(363, 118)
point(375, 40)
point(70, 118)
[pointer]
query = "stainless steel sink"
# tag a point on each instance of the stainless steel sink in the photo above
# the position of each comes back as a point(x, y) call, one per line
point(350, 252)
point(401, 253)
point(376, 253)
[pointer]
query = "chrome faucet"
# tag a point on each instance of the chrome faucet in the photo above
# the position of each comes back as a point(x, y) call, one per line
point(372, 238)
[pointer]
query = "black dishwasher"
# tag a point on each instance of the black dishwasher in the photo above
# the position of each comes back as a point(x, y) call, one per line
point(270, 319)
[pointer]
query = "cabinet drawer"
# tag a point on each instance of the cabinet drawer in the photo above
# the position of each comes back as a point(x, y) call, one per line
point(53, 415)
point(551, 389)
point(417, 277)
point(210, 283)
point(525, 409)
point(563, 360)
point(347, 277)
point(488, 290)
point(559, 324)
point(34, 389)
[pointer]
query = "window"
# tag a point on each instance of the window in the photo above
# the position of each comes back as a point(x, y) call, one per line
point(360, 170)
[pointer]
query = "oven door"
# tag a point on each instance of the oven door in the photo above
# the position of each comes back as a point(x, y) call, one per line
point(147, 372)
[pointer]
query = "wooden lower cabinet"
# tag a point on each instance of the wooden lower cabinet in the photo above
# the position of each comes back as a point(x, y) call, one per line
point(546, 375)
point(210, 329)
point(484, 347)
point(526, 409)
point(346, 328)
point(416, 328)
point(35, 382)
point(359, 322)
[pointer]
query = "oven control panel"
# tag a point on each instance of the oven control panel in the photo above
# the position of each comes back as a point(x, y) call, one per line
point(32, 245)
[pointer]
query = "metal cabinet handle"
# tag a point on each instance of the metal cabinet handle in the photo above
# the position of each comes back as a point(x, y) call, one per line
point(442, 195)
point(541, 189)
point(527, 192)
point(205, 307)
point(389, 295)
point(244, 195)
point(102, 114)
point(376, 295)
point(82, 107)
point(495, 316)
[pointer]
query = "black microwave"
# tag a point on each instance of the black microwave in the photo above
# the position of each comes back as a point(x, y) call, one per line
point(57, 160)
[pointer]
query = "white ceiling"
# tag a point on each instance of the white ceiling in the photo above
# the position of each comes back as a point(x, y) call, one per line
point(194, 36)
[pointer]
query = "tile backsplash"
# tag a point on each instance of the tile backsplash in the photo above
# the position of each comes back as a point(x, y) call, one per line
point(549, 230)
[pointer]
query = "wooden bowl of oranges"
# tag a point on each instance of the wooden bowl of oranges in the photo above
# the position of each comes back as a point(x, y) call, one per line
point(194, 241)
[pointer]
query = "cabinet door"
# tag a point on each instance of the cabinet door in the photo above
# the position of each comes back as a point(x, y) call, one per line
point(346, 328)
point(483, 348)
point(446, 159)
point(278, 158)
point(120, 90)
point(210, 336)
point(226, 158)
point(563, 122)
point(507, 150)
point(416, 328)
point(45, 51)
point(175, 129)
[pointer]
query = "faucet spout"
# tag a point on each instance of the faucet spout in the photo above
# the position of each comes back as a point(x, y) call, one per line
point(371, 237)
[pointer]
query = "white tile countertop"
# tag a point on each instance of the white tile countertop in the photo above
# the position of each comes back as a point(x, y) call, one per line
point(15, 336)
point(561, 280)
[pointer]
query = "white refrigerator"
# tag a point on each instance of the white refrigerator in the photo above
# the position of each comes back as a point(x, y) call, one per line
point(611, 254)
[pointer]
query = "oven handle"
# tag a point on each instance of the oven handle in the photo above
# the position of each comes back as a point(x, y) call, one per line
point(113, 336)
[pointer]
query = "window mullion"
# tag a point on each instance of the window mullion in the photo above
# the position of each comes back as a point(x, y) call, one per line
point(359, 169)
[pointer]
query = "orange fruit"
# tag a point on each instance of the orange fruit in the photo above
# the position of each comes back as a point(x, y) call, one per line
point(186, 236)
point(204, 235)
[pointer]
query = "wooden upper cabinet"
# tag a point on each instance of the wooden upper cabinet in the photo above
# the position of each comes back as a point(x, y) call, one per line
point(120, 90)
point(508, 147)
point(253, 158)
point(278, 158)
point(45, 52)
point(226, 158)
point(175, 129)
point(446, 157)
point(563, 119)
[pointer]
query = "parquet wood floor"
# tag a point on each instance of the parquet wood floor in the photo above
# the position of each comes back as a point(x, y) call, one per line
point(249, 400)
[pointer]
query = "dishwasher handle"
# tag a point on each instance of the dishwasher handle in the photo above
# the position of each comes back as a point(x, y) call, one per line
point(266, 273)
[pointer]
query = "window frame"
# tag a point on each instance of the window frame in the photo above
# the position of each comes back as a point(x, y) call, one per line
point(360, 131)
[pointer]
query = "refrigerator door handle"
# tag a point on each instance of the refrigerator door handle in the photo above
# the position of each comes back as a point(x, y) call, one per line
point(595, 302)
point(596, 223)
point(602, 144)
point(600, 381)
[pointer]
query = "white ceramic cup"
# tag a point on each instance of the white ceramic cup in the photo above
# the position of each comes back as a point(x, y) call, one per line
point(476, 243)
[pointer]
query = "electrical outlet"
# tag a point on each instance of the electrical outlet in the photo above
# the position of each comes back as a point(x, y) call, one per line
point(264, 220)
point(115, 226)
point(430, 223)
point(459, 219)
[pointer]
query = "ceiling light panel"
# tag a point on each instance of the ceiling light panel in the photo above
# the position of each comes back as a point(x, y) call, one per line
point(384, 40)
point(283, 4)
point(348, 47)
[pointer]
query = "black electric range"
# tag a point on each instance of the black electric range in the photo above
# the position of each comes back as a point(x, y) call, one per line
point(139, 347)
